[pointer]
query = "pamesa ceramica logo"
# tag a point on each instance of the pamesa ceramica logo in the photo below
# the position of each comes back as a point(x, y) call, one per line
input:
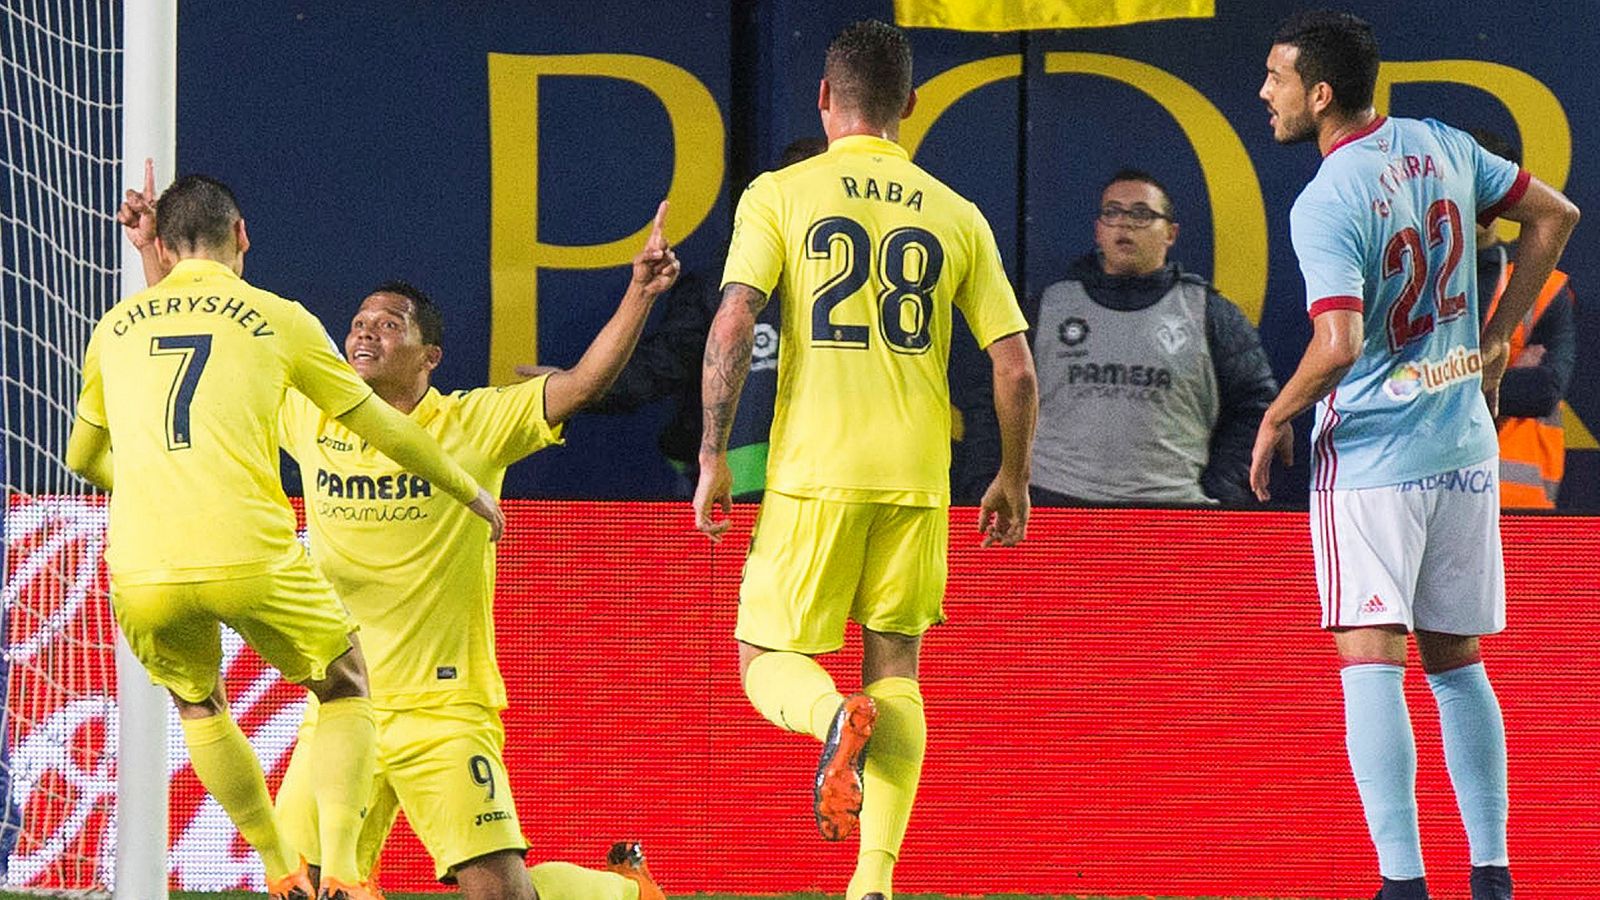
point(1408, 379)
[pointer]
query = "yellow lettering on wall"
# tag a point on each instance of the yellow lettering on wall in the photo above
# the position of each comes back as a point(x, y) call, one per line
point(939, 93)
point(516, 254)
point(1546, 135)
point(1238, 214)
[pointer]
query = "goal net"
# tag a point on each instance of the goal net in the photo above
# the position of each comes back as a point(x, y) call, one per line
point(62, 734)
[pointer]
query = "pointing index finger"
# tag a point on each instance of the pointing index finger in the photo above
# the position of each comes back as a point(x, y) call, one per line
point(658, 237)
point(149, 178)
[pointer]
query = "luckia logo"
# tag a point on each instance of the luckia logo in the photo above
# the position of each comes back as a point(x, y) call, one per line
point(1409, 379)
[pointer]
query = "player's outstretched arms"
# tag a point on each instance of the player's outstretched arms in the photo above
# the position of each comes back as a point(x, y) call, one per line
point(723, 370)
point(138, 217)
point(1336, 337)
point(1003, 512)
point(89, 453)
point(402, 440)
point(1548, 219)
point(654, 271)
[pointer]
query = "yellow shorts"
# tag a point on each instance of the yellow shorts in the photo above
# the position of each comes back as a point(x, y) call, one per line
point(815, 563)
point(291, 616)
point(443, 766)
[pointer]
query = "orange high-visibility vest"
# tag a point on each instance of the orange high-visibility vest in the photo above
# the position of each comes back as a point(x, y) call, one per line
point(1533, 451)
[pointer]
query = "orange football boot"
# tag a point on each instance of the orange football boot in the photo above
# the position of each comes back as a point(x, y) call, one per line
point(836, 796)
point(294, 886)
point(334, 889)
point(626, 858)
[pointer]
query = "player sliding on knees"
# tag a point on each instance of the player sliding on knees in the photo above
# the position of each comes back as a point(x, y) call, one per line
point(419, 579)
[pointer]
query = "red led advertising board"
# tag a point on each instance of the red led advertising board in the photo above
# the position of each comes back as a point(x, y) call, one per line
point(1132, 702)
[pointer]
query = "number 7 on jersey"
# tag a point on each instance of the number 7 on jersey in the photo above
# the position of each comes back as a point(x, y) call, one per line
point(192, 350)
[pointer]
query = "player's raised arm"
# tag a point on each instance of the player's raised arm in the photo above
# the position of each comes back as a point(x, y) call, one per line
point(138, 217)
point(654, 271)
point(726, 365)
point(1548, 219)
point(1003, 513)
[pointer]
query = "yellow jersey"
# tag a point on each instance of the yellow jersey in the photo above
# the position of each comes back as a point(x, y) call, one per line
point(414, 567)
point(868, 253)
point(187, 377)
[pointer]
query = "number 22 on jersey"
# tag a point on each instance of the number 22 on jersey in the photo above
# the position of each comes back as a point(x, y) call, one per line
point(1443, 223)
point(907, 265)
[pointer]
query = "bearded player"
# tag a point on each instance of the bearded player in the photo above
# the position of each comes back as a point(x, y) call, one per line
point(1405, 514)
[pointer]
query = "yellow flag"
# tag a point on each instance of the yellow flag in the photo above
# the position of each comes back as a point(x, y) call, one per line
point(1021, 15)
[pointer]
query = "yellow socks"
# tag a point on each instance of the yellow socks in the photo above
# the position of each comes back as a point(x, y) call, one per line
point(345, 752)
point(296, 800)
point(565, 881)
point(894, 767)
point(227, 766)
point(793, 692)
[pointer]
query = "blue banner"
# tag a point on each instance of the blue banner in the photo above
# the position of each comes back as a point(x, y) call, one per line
point(506, 158)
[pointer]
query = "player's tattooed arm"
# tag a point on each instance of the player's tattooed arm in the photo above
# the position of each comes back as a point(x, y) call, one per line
point(727, 363)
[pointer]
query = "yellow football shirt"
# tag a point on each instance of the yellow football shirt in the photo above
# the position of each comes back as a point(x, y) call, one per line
point(416, 568)
point(868, 253)
point(187, 377)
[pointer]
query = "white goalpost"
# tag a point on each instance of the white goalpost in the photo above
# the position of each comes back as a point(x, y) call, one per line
point(89, 92)
point(149, 131)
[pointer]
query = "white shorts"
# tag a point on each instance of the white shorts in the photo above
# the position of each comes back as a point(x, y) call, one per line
point(1424, 554)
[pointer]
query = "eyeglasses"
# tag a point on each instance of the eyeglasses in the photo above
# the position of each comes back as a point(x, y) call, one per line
point(1136, 217)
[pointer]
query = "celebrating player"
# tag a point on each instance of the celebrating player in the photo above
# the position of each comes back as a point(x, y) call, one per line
point(867, 252)
point(185, 380)
point(1405, 525)
point(418, 577)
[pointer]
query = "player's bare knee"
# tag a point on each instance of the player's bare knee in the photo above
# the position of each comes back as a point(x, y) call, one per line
point(1443, 652)
point(1377, 644)
point(747, 655)
point(214, 705)
point(346, 678)
point(500, 875)
point(885, 654)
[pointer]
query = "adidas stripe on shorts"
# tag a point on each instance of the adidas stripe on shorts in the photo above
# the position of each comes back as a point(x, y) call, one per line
point(1424, 553)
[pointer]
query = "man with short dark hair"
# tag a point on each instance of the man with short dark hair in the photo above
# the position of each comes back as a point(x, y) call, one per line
point(1405, 521)
point(185, 380)
point(867, 253)
point(1151, 383)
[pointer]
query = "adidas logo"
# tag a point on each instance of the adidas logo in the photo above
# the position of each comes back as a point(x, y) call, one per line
point(1374, 605)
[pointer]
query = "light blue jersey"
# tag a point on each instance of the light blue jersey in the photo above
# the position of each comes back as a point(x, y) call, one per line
point(1386, 229)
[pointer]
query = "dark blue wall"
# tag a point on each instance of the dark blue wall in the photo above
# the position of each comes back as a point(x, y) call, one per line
point(357, 136)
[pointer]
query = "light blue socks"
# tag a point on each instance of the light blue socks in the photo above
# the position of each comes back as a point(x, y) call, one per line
point(1383, 758)
point(1475, 752)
